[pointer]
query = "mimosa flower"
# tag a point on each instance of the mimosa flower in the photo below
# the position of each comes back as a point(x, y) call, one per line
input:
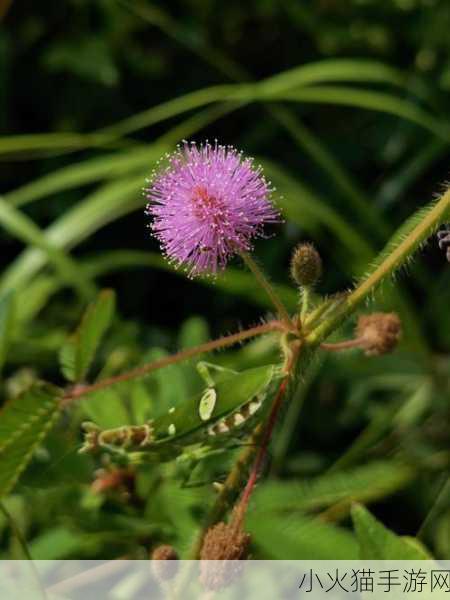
point(207, 205)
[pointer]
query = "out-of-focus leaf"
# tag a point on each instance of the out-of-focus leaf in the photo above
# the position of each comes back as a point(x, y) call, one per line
point(193, 332)
point(134, 159)
point(24, 422)
point(369, 482)
point(379, 543)
point(20, 226)
point(106, 408)
point(288, 537)
point(104, 205)
point(88, 57)
point(7, 317)
point(82, 173)
point(331, 70)
point(60, 543)
point(79, 351)
point(371, 100)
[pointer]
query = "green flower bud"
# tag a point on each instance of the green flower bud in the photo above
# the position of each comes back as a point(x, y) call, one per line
point(306, 265)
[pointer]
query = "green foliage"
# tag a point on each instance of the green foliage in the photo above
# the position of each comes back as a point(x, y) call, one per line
point(350, 122)
point(224, 407)
point(79, 351)
point(7, 307)
point(25, 421)
point(300, 538)
point(364, 484)
point(379, 543)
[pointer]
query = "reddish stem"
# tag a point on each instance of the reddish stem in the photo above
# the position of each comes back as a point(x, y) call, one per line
point(222, 342)
point(259, 460)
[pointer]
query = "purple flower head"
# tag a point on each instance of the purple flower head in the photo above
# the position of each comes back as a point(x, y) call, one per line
point(207, 205)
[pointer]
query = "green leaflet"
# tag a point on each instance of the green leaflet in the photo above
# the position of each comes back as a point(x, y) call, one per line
point(24, 422)
point(379, 543)
point(366, 483)
point(78, 352)
point(204, 411)
point(7, 314)
point(298, 537)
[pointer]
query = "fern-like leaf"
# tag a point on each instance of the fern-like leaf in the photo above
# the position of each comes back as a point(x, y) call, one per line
point(78, 352)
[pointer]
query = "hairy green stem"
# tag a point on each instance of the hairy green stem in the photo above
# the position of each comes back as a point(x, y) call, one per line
point(437, 214)
point(305, 300)
point(346, 345)
point(265, 284)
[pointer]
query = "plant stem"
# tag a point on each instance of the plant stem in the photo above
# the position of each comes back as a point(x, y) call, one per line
point(436, 215)
point(258, 445)
point(347, 345)
point(265, 284)
point(262, 451)
point(230, 489)
point(222, 342)
point(306, 295)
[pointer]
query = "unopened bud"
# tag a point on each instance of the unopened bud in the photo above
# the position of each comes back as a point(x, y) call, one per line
point(164, 568)
point(222, 543)
point(306, 265)
point(114, 479)
point(379, 332)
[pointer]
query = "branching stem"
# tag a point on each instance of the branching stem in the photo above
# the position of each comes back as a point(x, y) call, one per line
point(255, 451)
point(438, 214)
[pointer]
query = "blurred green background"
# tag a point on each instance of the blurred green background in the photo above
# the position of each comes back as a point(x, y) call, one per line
point(350, 118)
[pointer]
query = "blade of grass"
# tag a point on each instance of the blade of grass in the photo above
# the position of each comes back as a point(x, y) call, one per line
point(108, 203)
point(371, 100)
point(21, 227)
point(114, 165)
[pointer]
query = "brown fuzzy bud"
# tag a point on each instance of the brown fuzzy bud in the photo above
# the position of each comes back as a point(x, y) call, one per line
point(379, 332)
point(164, 568)
point(222, 543)
point(306, 265)
point(121, 480)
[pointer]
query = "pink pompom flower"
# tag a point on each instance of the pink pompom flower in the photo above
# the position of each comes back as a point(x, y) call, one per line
point(207, 205)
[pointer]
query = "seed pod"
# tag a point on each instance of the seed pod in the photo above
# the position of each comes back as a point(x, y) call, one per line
point(306, 265)
point(164, 566)
point(223, 544)
point(379, 332)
